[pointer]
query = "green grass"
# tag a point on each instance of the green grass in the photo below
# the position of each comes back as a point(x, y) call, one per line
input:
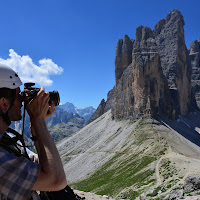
point(112, 178)
point(132, 194)
point(167, 169)
point(128, 170)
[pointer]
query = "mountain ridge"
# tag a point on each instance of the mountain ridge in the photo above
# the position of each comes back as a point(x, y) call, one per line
point(86, 112)
point(61, 124)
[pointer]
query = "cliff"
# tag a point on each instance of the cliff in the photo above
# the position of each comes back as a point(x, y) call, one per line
point(154, 73)
point(195, 61)
point(175, 61)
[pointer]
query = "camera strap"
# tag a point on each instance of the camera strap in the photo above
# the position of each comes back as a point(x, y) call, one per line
point(23, 120)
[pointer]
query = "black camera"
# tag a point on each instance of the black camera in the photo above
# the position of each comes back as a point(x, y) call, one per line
point(54, 96)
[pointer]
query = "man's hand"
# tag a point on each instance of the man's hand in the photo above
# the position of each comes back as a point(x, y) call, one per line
point(39, 106)
point(51, 110)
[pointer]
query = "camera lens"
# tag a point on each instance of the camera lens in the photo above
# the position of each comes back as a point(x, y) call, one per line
point(55, 97)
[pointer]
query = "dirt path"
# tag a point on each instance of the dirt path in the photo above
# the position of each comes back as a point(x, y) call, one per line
point(159, 182)
point(158, 178)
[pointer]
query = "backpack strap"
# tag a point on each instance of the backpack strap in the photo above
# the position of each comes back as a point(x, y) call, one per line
point(10, 142)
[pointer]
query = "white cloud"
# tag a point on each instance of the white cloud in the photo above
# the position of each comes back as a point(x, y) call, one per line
point(30, 72)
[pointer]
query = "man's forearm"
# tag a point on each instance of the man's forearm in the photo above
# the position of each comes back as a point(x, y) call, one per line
point(49, 157)
point(51, 176)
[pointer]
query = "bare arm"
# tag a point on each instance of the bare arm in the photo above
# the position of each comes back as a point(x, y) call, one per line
point(52, 176)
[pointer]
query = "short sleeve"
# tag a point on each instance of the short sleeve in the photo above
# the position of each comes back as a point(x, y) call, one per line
point(17, 176)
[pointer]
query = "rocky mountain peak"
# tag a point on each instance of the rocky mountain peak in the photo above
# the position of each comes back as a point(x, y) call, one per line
point(169, 34)
point(123, 56)
point(153, 72)
point(175, 16)
point(143, 33)
point(195, 47)
point(175, 61)
point(86, 113)
point(145, 41)
point(142, 87)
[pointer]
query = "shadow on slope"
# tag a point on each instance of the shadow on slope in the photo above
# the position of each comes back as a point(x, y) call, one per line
point(188, 126)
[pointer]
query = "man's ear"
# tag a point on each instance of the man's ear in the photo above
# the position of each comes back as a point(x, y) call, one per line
point(4, 104)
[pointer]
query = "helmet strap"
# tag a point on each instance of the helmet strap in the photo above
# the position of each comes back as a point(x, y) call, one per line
point(5, 117)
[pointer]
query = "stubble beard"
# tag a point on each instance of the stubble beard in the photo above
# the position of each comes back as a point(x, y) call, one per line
point(15, 115)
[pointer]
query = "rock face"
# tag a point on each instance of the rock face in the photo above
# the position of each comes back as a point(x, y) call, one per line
point(142, 88)
point(175, 61)
point(195, 61)
point(123, 56)
point(153, 72)
point(99, 111)
point(104, 106)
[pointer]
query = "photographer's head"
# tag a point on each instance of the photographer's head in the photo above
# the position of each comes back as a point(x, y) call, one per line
point(10, 98)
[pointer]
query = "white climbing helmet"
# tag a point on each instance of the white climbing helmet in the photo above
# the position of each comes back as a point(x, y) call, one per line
point(9, 78)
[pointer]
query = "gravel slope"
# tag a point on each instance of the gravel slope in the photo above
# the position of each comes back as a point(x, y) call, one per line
point(95, 144)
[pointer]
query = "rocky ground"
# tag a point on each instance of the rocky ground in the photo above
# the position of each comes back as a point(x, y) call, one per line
point(92, 196)
point(95, 144)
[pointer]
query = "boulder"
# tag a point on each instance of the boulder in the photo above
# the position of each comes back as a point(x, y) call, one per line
point(192, 183)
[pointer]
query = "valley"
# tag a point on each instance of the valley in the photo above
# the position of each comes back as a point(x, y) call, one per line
point(125, 159)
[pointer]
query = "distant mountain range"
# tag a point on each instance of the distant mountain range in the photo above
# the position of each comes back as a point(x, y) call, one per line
point(86, 113)
point(65, 121)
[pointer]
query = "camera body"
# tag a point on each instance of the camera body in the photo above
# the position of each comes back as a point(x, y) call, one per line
point(54, 96)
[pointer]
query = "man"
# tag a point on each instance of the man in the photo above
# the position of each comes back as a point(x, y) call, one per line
point(20, 177)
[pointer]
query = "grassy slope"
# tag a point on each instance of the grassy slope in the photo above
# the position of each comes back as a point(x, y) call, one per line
point(130, 172)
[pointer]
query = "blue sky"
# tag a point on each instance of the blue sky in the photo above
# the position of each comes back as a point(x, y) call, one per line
point(69, 45)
